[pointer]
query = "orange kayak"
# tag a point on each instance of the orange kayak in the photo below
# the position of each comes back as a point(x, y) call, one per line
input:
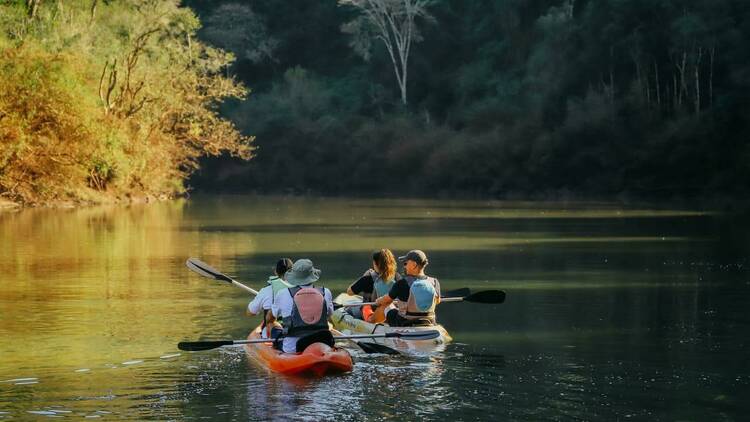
point(318, 359)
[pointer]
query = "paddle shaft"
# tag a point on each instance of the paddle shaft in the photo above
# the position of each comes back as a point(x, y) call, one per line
point(242, 286)
point(207, 345)
point(442, 299)
point(201, 268)
point(487, 296)
point(367, 347)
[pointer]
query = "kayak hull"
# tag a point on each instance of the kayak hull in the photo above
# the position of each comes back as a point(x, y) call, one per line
point(318, 359)
point(347, 324)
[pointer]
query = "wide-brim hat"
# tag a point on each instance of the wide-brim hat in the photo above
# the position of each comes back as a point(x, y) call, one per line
point(302, 272)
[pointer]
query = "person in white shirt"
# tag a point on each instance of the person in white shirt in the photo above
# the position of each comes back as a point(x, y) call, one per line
point(264, 300)
point(304, 309)
point(276, 282)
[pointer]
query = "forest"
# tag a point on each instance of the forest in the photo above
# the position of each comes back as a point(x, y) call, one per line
point(505, 99)
point(519, 99)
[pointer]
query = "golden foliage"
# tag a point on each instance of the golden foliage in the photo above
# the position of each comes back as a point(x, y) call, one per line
point(110, 105)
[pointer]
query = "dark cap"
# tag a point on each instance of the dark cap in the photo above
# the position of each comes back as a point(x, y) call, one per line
point(415, 255)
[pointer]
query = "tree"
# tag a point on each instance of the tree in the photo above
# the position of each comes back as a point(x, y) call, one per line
point(391, 21)
point(237, 28)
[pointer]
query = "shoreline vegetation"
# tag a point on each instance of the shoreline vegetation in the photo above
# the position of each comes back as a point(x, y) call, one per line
point(123, 101)
point(108, 102)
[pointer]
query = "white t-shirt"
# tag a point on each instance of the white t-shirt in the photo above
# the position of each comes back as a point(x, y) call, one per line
point(282, 307)
point(262, 301)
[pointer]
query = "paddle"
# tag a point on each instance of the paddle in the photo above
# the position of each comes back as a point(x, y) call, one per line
point(368, 347)
point(205, 270)
point(464, 291)
point(208, 271)
point(194, 346)
point(487, 296)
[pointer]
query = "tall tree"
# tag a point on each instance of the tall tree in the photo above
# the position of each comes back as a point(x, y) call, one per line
point(391, 21)
point(237, 28)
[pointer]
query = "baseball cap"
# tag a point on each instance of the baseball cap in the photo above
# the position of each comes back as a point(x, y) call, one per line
point(415, 255)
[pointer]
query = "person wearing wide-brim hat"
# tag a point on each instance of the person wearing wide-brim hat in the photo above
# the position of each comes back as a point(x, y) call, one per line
point(417, 293)
point(264, 299)
point(296, 306)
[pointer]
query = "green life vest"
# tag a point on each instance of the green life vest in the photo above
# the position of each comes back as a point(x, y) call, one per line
point(278, 284)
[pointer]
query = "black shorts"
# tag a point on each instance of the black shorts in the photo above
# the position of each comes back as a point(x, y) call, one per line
point(394, 319)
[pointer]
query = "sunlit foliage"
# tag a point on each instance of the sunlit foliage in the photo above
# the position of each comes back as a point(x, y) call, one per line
point(105, 100)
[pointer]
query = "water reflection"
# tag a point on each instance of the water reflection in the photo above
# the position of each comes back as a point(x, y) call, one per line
point(611, 314)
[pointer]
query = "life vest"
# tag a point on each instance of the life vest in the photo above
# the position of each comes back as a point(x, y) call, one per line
point(380, 287)
point(309, 311)
point(277, 284)
point(421, 303)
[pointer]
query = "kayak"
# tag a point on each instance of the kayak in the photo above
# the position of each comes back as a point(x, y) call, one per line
point(318, 359)
point(348, 324)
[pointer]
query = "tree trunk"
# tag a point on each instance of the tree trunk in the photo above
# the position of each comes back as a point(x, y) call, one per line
point(683, 82)
point(611, 76)
point(711, 78)
point(93, 11)
point(698, 81)
point(32, 6)
point(648, 89)
point(656, 80)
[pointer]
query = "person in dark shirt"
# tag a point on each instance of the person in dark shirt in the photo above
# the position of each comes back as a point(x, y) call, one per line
point(417, 294)
point(374, 283)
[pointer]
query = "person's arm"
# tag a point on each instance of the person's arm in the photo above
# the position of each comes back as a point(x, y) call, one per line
point(329, 304)
point(386, 300)
point(256, 305)
point(437, 291)
point(364, 284)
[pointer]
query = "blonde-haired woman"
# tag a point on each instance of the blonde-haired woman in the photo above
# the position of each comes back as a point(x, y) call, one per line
point(374, 283)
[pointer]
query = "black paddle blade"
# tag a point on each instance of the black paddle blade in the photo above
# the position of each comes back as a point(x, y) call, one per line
point(194, 346)
point(376, 348)
point(416, 335)
point(487, 296)
point(201, 268)
point(464, 291)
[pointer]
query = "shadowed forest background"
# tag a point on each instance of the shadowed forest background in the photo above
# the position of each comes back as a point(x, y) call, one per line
point(597, 98)
point(519, 99)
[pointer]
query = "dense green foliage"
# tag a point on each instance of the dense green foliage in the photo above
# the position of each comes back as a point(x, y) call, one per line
point(104, 100)
point(586, 97)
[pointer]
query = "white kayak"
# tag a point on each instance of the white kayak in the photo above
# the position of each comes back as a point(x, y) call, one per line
point(347, 324)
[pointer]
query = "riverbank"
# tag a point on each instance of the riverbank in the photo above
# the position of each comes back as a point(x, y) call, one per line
point(11, 206)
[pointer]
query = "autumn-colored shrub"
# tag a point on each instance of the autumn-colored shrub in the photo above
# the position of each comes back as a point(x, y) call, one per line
point(108, 101)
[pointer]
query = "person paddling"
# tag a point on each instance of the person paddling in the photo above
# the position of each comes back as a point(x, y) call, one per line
point(303, 308)
point(374, 283)
point(264, 300)
point(417, 294)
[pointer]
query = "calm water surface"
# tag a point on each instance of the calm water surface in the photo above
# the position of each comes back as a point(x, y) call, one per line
point(613, 313)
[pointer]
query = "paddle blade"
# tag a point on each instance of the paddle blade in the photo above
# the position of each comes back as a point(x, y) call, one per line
point(487, 296)
point(376, 348)
point(201, 268)
point(415, 335)
point(464, 291)
point(194, 346)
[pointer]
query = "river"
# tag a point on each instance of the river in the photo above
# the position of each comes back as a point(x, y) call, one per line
point(613, 312)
